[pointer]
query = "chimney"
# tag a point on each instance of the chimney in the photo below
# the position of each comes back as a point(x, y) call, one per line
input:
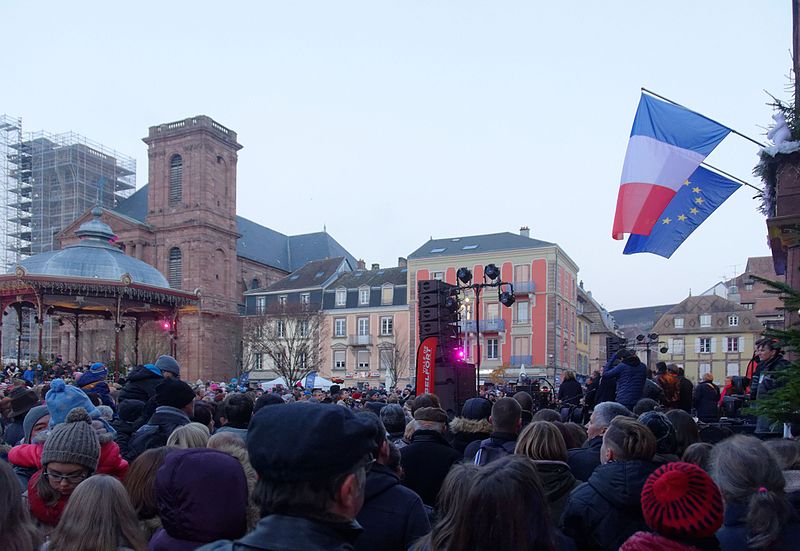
point(525, 231)
point(402, 262)
point(376, 266)
point(360, 264)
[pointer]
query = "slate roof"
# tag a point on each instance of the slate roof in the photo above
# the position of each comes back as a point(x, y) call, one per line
point(372, 278)
point(475, 244)
point(646, 316)
point(314, 274)
point(259, 243)
point(705, 304)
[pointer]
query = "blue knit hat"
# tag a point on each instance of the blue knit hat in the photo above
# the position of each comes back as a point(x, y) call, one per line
point(63, 398)
point(98, 368)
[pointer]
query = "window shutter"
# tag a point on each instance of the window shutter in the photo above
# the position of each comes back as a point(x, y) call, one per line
point(713, 345)
point(741, 344)
point(697, 345)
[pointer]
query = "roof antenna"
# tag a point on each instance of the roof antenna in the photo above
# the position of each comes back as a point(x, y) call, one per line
point(324, 228)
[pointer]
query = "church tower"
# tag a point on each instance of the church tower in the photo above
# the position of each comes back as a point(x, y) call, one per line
point(192, 212)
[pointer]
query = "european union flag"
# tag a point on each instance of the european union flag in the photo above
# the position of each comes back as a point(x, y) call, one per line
point(697, 198)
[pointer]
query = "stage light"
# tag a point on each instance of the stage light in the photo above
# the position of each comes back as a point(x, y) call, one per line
point(640, 338)
point(464, 275)
point(507, 298)
point(451, 303)
point(653, 336)
point(663, 349)
point(491, 271)
point(166, 325)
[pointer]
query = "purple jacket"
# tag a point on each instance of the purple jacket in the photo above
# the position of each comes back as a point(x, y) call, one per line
point(202, 497)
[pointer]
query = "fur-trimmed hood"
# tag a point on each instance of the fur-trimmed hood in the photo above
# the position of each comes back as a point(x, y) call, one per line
point(460, 424)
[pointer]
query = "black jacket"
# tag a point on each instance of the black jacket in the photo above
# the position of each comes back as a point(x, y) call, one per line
point(393, 517)
point(605, 511)
point(583, 461)
point(686, 391)
point(426, 461)
point(606, 390)
point(706, 402)
point(504, 441)
point(734, 533)
point(653, 391)
point(570, 392)
point(141, 385)
point(283, 533)
point(156, 431)
point(558, 482)
point(125, 430)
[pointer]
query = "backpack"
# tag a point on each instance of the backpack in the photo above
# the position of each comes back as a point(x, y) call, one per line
point(489, 451)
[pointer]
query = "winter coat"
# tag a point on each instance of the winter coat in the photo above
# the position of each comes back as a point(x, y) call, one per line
point(653, 391)
point(583, 461)
point(503, 443)
point(686, 392)
point(156, 431)
point(605, 511)
point(630, 375)
point(426, 461)
point(125, 430)
point(284, 533)
point(241, 433)
point(199, 506)
point(468, 430)
point(558, 482)
point(570, 392)
point(706, 400)
point(606, 390)
point(393, 517)
point(646, 541)
point(141, 385)
point(111, 461)
point(590, 398)
point(46, 516)
point(734, 533)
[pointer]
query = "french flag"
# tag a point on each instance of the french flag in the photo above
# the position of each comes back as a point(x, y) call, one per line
point(668, 142)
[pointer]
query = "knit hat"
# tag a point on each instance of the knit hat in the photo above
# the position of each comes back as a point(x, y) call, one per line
point(130, 410)
point(680, 500)
point(63, 398)
point(98, 368)
point(476, 409)
point(174, 393)
point(73, 441)
point(31, 419)
point(436, 415)
point(169, 364)
point(662, 428)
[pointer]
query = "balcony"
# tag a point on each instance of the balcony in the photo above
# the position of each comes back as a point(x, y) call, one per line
point(521, 287)
point(359, 340)
point(487, 326)
point(516, 361)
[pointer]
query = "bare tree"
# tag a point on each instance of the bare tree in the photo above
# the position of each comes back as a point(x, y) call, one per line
point(394, 359)
point(288, 338)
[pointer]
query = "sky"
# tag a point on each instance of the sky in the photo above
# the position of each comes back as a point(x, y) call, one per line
point(390, 122)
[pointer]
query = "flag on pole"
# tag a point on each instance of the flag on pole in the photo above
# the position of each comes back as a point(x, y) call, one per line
point(697, 198)
point(668, 142)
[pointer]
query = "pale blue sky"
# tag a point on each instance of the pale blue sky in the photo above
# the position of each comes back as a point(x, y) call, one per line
point(370, 116)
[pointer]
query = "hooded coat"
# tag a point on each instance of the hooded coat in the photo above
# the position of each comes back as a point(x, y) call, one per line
point(630, 374)
point(156, 431)
point(466, 431)
point(202, 498)
point(393, 517)
point(141, 385)
point(558, 483)
point(605, 511)
point(426, 462)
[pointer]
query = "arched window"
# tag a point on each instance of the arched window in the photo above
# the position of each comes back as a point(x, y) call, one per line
point(175, 179)
point(175, 275)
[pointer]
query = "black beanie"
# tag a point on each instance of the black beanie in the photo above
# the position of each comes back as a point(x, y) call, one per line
point(175, 393)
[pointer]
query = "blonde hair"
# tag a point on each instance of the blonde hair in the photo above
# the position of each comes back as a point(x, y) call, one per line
point(193, 435)
point(541, 440)
point(98, 516)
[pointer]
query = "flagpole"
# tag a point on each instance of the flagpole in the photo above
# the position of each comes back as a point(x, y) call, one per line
point(731, 176)
point(759, 144)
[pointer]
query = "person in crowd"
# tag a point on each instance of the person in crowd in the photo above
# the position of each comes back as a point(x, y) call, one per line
point(449, 503)
point(583, 461)
point(204, 414)
point(652, 390)
point(128, 412)
point(683, 508)
point(644, 405)
point(770, 362)
point(175, 403)
point(192, 435)
point(393, 517)
point(310, 492)
point(630, 375)
point(506, 420)
point(17, 532)
point(570, 391)
point(592, 384)
point(192, 508)
point(526, 403)
point(22, 399)
point(699, 454)
point(93, 382)
point(667, 379)
point(36, 429)
point(686, 391)
point(169, 367)
point(686, 431)
point(542, 442)
point(666, 443)
point(607, 386)
point(141, 383)
point(510, 488)
point(394, 419)
point(237, 448)
point(428, 457)
point(606, 511)
point(99, 515)
point(706, 399)
point(267, 399)
point(758, 514)
point(573, 434)
point(237, 410)
point(549, 415)
point(786, 453)
point(141, 486)
point(29, 375)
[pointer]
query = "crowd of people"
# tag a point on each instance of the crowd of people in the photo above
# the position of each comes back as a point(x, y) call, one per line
point(158, 463)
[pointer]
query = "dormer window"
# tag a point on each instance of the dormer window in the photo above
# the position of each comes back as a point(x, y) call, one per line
point(363, 296)
point(387, 294)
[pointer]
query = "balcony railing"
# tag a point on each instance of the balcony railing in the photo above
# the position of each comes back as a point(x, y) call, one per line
point(524, 287)
point(516, 361)
point(359, 340)
point(487, 326)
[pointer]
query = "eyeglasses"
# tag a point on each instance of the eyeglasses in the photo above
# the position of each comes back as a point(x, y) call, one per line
point(71, 479)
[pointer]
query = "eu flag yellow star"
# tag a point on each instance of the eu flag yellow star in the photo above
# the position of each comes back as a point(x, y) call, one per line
point(686, 183)
point(699, 200)
point(682, 217)
point(693, 210)
point(666, 220)
point(696, 189)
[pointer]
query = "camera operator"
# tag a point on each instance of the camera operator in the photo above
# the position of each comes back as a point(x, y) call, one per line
point(770, 361)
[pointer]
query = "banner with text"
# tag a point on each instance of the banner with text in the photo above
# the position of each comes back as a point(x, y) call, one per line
point(426, 364)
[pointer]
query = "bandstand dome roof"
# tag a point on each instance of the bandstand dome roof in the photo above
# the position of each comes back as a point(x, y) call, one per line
point(94, 257)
